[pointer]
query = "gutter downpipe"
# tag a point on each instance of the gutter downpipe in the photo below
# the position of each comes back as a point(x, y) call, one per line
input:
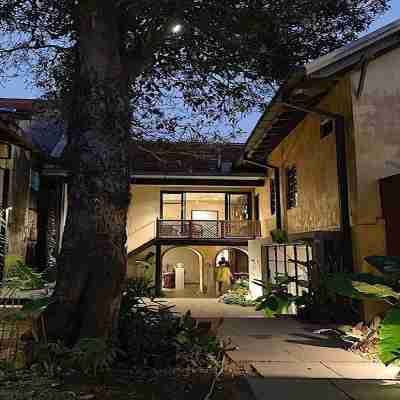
point(343, 183)
point(277, 179)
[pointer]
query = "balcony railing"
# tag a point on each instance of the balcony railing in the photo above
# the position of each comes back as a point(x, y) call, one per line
point(208, 230)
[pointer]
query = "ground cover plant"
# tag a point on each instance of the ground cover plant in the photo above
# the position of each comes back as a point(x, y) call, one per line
point(239, 294)
point(382, 336)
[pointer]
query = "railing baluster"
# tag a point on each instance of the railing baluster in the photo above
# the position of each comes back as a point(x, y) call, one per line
point(203, 230)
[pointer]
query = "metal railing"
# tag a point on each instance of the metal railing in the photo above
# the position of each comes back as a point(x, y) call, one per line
point(208, 230)
point(324, 249)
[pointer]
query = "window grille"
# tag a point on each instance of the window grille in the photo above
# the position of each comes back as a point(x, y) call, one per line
point(292, 198)
point(272, 188)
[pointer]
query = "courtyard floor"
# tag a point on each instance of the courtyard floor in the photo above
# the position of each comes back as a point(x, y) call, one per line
point(293, 362)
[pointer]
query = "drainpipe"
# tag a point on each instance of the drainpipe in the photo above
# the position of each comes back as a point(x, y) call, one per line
point(343, 184)
point(277, 179)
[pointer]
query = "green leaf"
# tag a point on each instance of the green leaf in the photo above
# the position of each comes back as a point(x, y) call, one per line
point(375, 291)
point(342, 285)
point(358, 286)
point(385, 264)
point(389, 337)
point(36, 306)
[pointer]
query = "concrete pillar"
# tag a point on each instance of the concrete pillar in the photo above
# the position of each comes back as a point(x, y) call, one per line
point(257, 268)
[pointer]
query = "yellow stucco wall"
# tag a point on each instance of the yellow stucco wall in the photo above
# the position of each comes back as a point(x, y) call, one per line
point(144, 209)
point(315, 160)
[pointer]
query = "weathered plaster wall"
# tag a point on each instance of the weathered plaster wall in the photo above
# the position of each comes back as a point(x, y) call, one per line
point(377, 144)
point(268, 222)
point(144, 209)
point(315, 160)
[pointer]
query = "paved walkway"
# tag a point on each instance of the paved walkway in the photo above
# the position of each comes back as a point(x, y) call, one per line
point(293, 362)
point(212, 308)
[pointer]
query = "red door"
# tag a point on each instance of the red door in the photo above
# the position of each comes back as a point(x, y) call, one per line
point(390, 197)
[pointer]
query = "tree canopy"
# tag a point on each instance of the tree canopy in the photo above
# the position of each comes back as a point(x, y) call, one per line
point(188, 63)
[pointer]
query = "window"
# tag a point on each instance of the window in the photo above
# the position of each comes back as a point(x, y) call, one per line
point(327, 127)
point(272, 189)
point(172, 206)
point(291, 176)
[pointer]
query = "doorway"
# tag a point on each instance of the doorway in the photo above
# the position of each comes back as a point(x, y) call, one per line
point(238, 261)
point(189, 263)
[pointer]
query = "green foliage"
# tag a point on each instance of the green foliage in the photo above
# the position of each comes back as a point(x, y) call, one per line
point(51, 357)
point(385, 264)
point(389, 337)
point(361, 286)
point(383, 288)
point(92, 355)
point(23, 277)
point(279, 236)
point(89, 355)
point(151, 334)
point(133, 294)
point(276, 299)
point(11, 261)
point(239, 294)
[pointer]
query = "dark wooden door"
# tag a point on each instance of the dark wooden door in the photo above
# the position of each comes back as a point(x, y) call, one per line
point(390, 198)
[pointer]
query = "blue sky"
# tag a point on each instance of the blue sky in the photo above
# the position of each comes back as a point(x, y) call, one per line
point(18, 88)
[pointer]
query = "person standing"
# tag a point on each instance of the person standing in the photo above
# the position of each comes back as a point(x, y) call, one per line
point(223, 275)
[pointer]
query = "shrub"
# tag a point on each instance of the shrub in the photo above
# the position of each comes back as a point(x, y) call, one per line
point(151, 334)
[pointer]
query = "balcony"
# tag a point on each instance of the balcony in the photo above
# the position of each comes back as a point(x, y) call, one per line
point(208, 230)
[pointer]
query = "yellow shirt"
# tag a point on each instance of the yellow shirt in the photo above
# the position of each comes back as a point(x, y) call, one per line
point(223, 274)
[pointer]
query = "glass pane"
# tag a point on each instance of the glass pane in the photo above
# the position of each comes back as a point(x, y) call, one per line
point(239, 207)
point(204, 215)
point(172, 198)
point(172, 211)
point(214, 203)
point(172, 206)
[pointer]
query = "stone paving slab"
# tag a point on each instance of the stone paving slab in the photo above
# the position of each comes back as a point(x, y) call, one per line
point(369, 370)
point(315, 370)
point(295, 389)
point(311, 353)
point(370, 390)
point(262, 355)
point(212, 308)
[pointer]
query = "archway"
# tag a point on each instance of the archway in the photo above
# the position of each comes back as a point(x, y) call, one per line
point(238, 259)
point(192, 261)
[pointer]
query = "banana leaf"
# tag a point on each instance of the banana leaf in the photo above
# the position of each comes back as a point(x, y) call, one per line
point(389, 337)
point(385, 264)
point(358, 286)
point(377, 291)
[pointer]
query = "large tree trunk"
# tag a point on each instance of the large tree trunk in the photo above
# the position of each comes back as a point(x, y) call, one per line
point(92, 263)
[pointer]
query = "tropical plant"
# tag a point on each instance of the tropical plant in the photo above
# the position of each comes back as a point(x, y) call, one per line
point(314, 302)
point(385, 288)
point(276, 298)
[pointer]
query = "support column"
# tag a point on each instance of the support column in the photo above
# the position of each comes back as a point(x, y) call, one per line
point(158, 277)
